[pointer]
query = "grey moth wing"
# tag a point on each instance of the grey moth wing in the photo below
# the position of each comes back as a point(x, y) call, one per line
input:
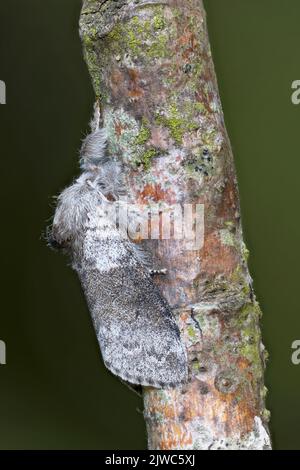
point(137, 333)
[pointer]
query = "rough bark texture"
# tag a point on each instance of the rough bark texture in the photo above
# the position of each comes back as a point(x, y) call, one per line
point(152, 70)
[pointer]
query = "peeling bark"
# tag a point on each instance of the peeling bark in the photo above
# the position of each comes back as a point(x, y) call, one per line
point(153, 74)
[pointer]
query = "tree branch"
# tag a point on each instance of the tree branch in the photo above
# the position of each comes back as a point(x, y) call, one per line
point(152, 71)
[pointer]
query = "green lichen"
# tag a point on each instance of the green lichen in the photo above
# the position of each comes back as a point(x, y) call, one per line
point(115, 34)
point(238, 278)
point(133, 42)
point(174, 122)
point(87, 40)
point(247, 322)
point(227, 237)
point(196, 366)
point(192, 333)
point(266, 415)
point(140, 36)
point(92, 63)
point(199, 107)
point(197, 69)
point(144, 134)
point(146, 158)
point(229, 224)
point(90, 6)
point(252, 354)
point(159, 22)
point(245, 252)
point(177, 123)
point(245, 311)
point(89, 37)
point(158, 47)
point(130, 142)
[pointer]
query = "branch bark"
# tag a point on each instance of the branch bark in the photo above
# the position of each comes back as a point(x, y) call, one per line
point(152, 71)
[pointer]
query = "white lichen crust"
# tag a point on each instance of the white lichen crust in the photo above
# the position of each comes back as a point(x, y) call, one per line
point(203, 439)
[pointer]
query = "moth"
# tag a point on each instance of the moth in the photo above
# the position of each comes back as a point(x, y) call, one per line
point(137, 333)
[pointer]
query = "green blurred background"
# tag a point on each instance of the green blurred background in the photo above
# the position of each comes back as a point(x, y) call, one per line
point(54, 390)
